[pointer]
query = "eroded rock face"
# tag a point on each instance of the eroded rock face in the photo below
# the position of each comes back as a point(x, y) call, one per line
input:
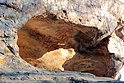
point(54, 60)
point(41, 35)
point(100, 14)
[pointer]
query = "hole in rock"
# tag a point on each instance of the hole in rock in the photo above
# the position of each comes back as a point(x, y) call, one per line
point(41, 35)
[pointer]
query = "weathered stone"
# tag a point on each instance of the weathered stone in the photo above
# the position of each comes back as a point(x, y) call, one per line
point(103, 15)
point(41, 35)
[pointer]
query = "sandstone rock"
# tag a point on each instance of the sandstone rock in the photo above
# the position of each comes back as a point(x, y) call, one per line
point(100, 14)
point(54, 60)
point(47, 35)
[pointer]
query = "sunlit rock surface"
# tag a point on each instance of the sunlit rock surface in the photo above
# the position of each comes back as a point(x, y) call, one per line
point(103, 15)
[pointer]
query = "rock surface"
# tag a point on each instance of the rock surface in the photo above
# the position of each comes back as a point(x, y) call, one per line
point(104, 15)
point(41, 35)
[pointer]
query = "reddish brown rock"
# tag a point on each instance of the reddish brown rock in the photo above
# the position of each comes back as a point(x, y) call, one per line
point(41, 35)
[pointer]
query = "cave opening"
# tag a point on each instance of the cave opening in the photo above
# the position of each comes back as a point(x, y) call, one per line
point(44, 34)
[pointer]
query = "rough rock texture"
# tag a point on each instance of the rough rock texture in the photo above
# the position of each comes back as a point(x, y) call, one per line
point(41, 35)
point(52, 77)
point(102, 14)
